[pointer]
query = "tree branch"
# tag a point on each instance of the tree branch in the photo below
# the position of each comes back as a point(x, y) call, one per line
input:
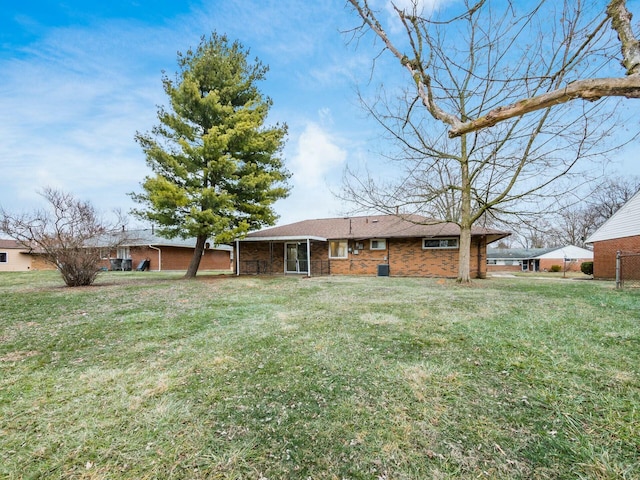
point(621, 23)
point(422, 80)
point(587, 89)
point(591, 89)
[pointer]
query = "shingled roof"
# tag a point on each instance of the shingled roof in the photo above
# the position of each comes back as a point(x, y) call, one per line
point(370, 226)
point(146, 237)
point(7, 243)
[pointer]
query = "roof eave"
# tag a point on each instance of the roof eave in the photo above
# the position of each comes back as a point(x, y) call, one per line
point(283, 238)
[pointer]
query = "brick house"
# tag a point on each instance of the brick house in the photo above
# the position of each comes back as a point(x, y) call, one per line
point(163, 254)
point(569, 258)
point(366, 245)
point(620, 233)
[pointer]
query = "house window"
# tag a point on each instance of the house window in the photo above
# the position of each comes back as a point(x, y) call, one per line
point(3, 257)
point(439, 243)
point(123, 252)
point(338, 249)
point(492, 261)
point(378, 244)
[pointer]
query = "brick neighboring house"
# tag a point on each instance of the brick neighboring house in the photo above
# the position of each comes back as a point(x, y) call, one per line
point(569, 257)
point(366, 245)
point(14, 257)
point(164, 254)
point(621, 232)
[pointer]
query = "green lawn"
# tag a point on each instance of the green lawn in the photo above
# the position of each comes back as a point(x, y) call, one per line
point(147, 376)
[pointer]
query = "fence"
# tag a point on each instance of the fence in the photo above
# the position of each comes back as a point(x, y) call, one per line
point(627, 269)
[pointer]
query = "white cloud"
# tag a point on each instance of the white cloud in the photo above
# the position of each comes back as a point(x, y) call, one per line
point(316, 166)
point(422, 7)
point(317, 154)
point(69, 109)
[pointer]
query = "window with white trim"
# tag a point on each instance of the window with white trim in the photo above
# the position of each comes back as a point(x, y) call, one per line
point(338, 249)
point(378, 244)
point(4, 257)
point(123, 252)
point(430, 243)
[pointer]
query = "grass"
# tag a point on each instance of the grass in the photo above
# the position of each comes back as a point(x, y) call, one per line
point(145, 375)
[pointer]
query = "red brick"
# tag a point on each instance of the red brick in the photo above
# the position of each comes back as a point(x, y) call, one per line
point(604, 255)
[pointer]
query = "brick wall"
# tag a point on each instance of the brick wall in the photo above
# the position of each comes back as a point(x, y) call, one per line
point(176, 258)
point(364, 262)
point(516, 267)
point(408, 258)
point(405, 257)
point(545, 264)
point(604, 255)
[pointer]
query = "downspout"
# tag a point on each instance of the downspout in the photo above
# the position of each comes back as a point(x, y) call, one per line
point(159, 257)
point(237, 258)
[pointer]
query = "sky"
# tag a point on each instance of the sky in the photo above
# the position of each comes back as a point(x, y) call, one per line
point(78, 79)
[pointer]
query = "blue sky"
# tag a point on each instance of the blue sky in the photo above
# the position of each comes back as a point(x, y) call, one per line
point(78, 79)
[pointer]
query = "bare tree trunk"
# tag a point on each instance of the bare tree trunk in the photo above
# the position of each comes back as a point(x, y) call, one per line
point(464, 260)
point(197, 256)
point(464, 271)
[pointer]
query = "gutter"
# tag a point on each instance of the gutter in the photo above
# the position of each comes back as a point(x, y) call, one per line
point(283, 238)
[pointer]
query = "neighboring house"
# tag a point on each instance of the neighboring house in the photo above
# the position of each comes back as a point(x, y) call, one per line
point(569, 258)
point(164, 254)
point(14, 257)
point(366, 245)
point(620, 233)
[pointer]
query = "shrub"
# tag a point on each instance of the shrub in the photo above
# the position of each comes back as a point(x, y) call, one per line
point(556, 268)
point(587, 268)
point(68, 234)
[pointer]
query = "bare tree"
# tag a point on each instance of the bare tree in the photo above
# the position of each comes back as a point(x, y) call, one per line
point(590, 89)
point(463, 66)
point(588, 85)
point(610, 195)
point(575, 223)
point(68, 234)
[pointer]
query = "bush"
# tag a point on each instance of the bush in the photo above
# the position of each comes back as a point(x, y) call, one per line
point(587, 268)
point(68, 234)
point(556, 268)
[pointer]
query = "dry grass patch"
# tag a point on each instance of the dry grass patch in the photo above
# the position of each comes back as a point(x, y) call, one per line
point(149, 376)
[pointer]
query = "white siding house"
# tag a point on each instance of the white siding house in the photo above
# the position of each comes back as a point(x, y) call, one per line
point(624, 223)
point(621, 233)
